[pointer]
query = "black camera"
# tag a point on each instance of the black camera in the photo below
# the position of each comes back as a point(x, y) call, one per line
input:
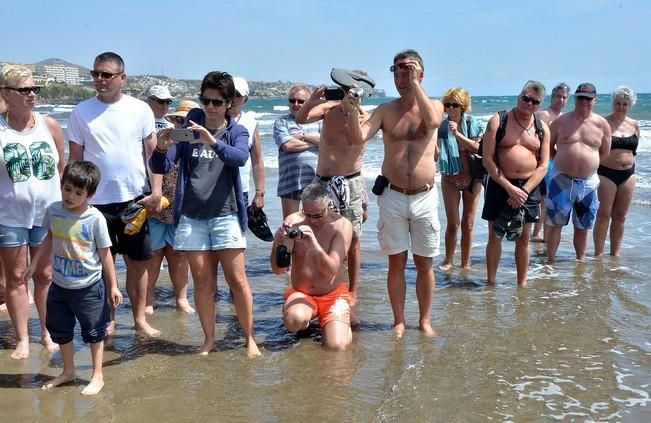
point(381, 182)
point(283, 256)
point(334, 94)
point(294, 233)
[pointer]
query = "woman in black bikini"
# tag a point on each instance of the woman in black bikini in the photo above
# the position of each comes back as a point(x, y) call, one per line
point(617, 173)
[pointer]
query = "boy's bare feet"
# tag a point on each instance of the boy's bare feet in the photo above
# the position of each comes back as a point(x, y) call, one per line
point(96, 384)
point(21, 351)
point(59, 380)
point(3, 307)
point(149, 309)
point(49, 345)
point(184, 306)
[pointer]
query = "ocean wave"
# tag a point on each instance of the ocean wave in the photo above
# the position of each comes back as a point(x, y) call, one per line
point(281, 108)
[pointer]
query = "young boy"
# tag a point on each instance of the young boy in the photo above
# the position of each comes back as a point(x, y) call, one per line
point(79, 244)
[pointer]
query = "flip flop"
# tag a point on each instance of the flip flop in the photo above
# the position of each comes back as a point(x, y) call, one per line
point(346, 78)
point(130, 212)
point(515, 226)
point(502, 223)
point(258, 224)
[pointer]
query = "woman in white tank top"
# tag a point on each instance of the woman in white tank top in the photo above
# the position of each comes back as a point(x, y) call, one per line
point(31, 160)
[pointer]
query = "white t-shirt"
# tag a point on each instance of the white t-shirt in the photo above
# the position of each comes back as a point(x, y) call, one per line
point(29, 176)
point(112, 136)
point(247, 120)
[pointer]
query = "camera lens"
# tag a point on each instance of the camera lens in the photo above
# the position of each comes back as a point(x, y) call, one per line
point(293, 233)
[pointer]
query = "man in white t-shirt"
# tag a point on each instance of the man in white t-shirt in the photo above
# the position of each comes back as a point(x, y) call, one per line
point(255, 161)
point(117, 133)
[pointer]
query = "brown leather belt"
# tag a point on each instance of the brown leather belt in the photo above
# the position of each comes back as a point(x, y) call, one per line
point(412, 191)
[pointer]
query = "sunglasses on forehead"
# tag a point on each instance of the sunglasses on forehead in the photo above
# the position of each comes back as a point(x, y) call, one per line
point(399, 66)
point(528, 99)
point(26, 90)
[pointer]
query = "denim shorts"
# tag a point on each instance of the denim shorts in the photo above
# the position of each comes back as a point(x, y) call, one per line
point(214, 234)
point(87, 305)
point(17, 237)
point(161, 234)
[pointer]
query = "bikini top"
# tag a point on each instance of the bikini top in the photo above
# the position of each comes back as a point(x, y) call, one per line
point(625, 143)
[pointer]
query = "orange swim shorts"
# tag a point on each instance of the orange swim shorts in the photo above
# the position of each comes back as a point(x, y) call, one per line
point(335, 305)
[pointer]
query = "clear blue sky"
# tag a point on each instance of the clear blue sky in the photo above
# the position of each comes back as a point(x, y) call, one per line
point(489, 47)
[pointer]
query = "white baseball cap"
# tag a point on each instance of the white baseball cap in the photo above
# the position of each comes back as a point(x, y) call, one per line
point(241, 86)
point(161, 92)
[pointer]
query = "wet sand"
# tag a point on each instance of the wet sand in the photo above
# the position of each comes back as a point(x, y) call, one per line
point(573, 344)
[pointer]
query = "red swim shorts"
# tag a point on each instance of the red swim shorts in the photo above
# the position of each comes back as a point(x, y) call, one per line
point(335, 305)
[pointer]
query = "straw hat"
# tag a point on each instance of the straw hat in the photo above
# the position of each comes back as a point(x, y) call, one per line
point(182, 109)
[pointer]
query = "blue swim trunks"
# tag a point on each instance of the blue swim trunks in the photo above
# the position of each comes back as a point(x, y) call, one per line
point(566, 194)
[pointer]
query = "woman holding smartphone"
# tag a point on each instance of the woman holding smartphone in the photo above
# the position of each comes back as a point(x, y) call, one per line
point(209, 207)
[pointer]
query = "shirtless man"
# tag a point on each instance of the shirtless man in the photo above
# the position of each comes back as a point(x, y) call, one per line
point(317, 240)
point(560, 93)
point(408, 205)
point(581, 139)
point(339, 157)
point(514, 177)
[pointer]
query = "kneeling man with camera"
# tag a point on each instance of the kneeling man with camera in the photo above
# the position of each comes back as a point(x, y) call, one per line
point(314, 241)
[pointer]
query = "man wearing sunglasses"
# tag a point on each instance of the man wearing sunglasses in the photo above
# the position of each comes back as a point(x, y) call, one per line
point(408, 204)
point(159, 99)
point(117, 133)
point(515, 157)
point(298, 151)
point(315, 241)
point(580, 139)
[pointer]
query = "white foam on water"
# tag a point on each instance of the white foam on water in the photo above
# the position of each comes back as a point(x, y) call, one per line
point(643, 399)
point(281, 108)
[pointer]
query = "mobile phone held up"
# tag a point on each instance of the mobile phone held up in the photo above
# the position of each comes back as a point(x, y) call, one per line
point(334, 94)
point(182, 135)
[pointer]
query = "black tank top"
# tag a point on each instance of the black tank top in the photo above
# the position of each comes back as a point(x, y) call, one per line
point(625, 143)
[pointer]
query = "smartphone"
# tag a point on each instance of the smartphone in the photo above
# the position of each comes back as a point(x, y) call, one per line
point(182, 135)
point(334, 94)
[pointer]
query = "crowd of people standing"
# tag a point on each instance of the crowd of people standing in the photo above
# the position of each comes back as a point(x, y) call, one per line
point(126, 154)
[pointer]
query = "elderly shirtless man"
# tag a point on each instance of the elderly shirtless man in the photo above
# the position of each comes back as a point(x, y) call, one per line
point(582, 139)
point(409, 203)
point(516, 164)
point(315, 241)
point(339, 163)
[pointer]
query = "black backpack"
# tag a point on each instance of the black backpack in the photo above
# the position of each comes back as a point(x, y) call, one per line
point(501, 130)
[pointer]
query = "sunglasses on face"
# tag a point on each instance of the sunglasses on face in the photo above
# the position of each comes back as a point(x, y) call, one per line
point(26, 90)
point(314, 216)
point(400, 66)
point(296, 101)
point(453, 105)
point(161, 102)
point(103, 75)
point(531, 100)
point(217, 102)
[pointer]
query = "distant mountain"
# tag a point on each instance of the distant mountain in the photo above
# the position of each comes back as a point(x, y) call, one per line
point(55, 61)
